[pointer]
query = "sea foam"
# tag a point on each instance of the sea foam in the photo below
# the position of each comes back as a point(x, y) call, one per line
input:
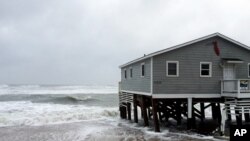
point(22, 113)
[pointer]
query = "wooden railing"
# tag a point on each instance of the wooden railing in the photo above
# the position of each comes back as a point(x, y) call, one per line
point(235, 87)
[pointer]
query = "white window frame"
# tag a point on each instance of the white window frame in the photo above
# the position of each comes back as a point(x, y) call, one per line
point(144, 69)
point(130, 72)
point(248, 70)
point(177, 68)
point(210, 69)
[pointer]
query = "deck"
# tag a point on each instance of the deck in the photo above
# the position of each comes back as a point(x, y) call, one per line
point(238, 88)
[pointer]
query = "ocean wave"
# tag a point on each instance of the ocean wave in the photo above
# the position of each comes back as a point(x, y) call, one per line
point(56, 89)
point(80, 97)
point(63, 99)
point(27, 86)
point(22, 113)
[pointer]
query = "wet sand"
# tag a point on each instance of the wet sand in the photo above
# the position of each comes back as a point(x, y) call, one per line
point(91, 131)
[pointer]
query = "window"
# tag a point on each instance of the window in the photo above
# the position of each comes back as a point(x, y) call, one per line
point(143, 69)
point(131, 72)
point(205, 69)
point(248, 69)
point(172, 68)
point(125, 74)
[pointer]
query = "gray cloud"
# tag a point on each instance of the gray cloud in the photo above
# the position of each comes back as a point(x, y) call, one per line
point(84, 41)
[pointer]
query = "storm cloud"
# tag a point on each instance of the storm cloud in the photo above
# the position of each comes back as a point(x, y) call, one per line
point(84, 41)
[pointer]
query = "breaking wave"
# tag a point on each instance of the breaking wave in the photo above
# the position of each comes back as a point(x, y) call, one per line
point(24, 113)
point(80, 98)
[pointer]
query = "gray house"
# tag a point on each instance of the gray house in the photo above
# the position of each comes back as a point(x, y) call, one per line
point(214, 69)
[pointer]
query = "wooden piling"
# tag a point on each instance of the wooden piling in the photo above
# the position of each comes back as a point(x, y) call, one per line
point(202, 107)
point(247, 117)
point(129, 110)
point(193, 119)
point(123, 112)
point(120, 109)
point(149, 113)
point(135, 108)
point(238, 117)
point(178, 112)
point(190, 111)
point(144, 111)
point(213, 107)
point(218, 113)
point(155, 116)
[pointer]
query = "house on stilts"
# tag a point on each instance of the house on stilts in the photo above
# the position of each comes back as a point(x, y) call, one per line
point(209, 72)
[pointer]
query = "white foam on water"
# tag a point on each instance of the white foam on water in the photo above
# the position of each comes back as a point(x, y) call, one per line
point(21, 113)
point(57, 89)
point(165, 134)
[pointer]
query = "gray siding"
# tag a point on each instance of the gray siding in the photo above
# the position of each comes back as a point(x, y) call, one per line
point(137, 83)
point(189, 80)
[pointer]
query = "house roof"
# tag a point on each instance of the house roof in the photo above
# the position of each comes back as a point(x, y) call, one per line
point(185, 44)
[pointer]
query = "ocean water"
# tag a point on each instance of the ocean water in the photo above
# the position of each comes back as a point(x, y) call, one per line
point(28, 105)
point(72, 113)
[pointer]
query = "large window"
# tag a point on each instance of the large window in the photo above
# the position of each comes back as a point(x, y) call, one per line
point(248, 69)
point(143, 69)
point(172, 68)
point(131, 72)
point(205, 69)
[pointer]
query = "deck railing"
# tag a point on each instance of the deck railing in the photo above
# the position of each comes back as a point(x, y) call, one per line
point(235, 87)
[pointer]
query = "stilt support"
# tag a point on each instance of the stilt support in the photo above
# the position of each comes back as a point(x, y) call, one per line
point(123, 112)
point(129, 110)
point(213, 107)
point(178, 112)
point(202, 107)
point(238, 117)
point(189, 119)
point(144, 111)
point(155, 116)
point(247, 117)
point(218, 113)
point(135, 109)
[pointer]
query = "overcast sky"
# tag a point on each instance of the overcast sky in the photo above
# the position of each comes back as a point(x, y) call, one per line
point(84, 41)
